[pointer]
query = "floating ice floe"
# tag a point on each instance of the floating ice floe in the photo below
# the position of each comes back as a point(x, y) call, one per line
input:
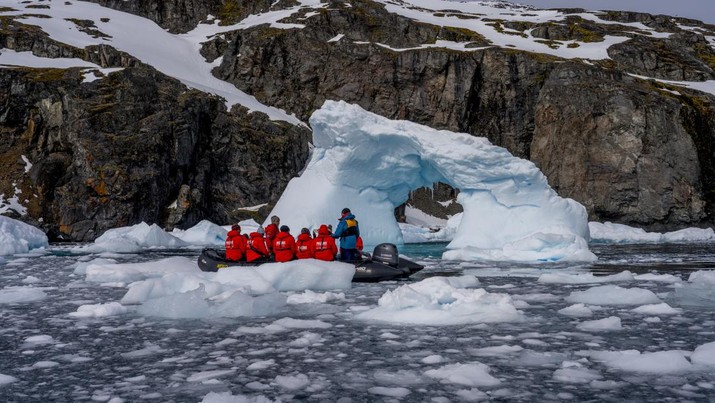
point(583, 278)
point(470, 374)
point(176, 288)
point(142, 236)
point(370, 164)
point(441, 301)
point(661, 362)
point(203, 233)
point(99, 310)
point(577, 310)
point(18, 237)
point(614, 295)
point(133, 239)
point(7, 379)
point(17, 295)
point(622, 234)
point(698, 291)
point(610, 323)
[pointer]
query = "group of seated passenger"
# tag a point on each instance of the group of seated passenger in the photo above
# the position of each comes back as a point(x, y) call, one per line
point(258, 245)
point(275, 243)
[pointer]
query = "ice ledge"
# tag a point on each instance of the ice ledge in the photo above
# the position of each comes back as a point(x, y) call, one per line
point(370, 163)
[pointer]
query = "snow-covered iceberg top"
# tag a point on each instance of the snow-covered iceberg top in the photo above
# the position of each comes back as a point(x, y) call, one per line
point(370, 163)
point(609, 232)
point(18, 237)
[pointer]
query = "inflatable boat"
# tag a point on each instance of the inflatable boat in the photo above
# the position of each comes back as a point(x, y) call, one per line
point(384, 264)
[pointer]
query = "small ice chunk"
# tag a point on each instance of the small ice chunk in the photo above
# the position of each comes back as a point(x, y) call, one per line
point(657, 309)
point(661, 362)
point(495, 351)
point(577, 311)
point(206, 375)
point(472, 374)
point(292, 382)
point(704, 355)
point(392, 392)
point(613, 295)
point(583, 278)
point(99, 310)
point(17, 295)
point(433, 359)
point(442, 301)
point(574, 372)
point(611, 323)
point(7, 379)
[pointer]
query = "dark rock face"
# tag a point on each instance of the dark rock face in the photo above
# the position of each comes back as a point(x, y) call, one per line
point(122, 149)
point(625, 149)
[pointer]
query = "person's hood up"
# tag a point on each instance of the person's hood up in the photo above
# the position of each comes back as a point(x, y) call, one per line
point(323, 230)
point(256, 235)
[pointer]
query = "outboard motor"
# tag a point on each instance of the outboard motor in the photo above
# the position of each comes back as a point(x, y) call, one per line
point(386, 253)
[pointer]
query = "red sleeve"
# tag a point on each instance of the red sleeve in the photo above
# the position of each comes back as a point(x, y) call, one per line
point(293, 246)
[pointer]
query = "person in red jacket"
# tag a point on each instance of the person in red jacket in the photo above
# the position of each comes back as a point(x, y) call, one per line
point(304, 245)
point(256, 248)
point(324, 247)
point(284, 245)
point(272, 231)
point(235, 244)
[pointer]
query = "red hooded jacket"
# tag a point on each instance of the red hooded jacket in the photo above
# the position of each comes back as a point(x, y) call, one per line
point(358, 244)
point(271, 233)
point(284, 247)
point(324, 247)
point(256, 247)
point(235, 245)
point(304, 246)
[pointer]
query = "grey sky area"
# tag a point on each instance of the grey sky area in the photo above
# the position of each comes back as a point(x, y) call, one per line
point(703, 10)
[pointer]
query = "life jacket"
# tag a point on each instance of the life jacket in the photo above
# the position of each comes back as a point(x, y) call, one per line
point(235, 246)
point(324, 247)
point(256, 247)
point(352, 228)
point(271, 233)
point(284, 247)
point(304, 247)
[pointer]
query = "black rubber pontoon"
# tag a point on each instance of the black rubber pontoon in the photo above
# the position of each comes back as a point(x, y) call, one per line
point(384, 264)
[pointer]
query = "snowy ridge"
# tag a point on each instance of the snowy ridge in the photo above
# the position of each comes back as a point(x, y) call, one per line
point(480, 17)
point(370, 164)
point(174, 55)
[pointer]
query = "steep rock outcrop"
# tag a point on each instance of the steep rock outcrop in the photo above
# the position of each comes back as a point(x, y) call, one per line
point(125, 148)
point(623, 147)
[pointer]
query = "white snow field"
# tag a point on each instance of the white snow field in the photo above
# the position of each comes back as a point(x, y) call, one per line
point(370, 163)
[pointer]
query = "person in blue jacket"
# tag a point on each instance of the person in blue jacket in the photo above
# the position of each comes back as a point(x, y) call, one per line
point(348, 231)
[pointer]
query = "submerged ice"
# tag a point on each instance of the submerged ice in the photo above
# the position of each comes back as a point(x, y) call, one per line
point(370, 164)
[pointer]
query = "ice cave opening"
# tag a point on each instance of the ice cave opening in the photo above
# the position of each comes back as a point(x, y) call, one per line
point(370, 164)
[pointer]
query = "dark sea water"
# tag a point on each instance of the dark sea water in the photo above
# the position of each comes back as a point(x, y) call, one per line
point(133, 358)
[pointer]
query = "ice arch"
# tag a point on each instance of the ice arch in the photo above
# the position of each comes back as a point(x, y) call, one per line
point(370, 163)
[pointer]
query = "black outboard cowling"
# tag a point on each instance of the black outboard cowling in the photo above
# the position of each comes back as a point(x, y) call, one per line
point(386, 253)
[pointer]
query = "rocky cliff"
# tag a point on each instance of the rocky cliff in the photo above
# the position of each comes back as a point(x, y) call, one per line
point(124, 148)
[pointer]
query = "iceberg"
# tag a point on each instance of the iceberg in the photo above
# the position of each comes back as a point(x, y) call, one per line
point(370, 164)
point(18, 237)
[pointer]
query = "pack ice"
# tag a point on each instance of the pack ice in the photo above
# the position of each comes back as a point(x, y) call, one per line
point(370, 164)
